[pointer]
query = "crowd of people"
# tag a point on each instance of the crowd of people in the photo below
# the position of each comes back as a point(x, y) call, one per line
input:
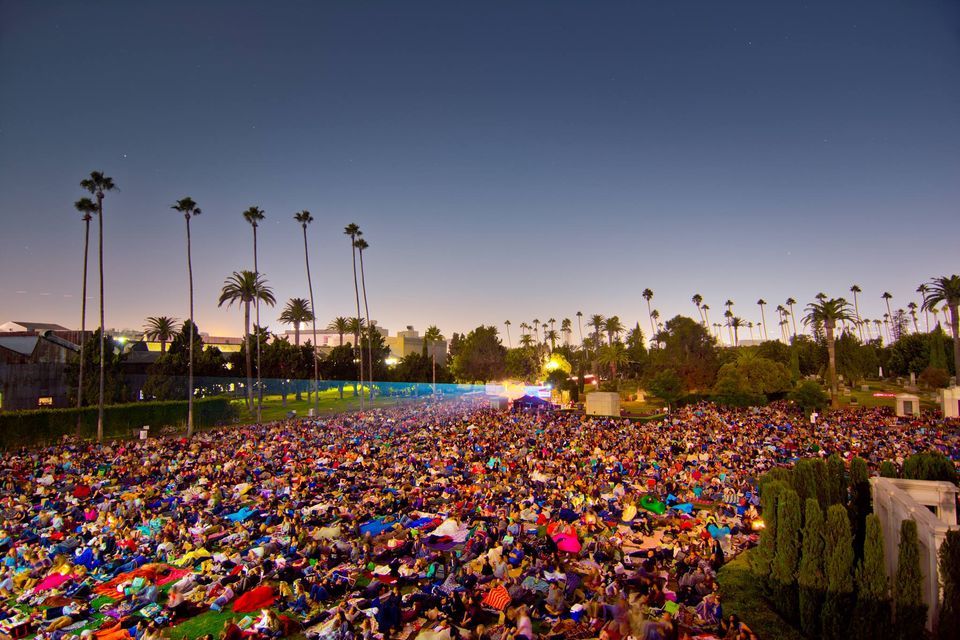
point(443, 520)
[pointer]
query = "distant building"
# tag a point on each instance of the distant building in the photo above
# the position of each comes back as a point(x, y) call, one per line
point(410, 341)
point(19, 326)
point(33, 365)
point(326, 338)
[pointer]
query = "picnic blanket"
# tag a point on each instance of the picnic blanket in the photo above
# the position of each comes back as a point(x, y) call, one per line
point(497, 598)
point(257, 598)
point(160, 574)
point(54, 580)
point(377, 526)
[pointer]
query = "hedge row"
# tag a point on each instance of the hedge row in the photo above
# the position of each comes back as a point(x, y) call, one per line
point(28, 428)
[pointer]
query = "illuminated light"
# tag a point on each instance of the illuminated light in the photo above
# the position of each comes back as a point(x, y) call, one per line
point(758, 525)
point(45, 401)
point(391, 361)
point(122, 339)
point(881, 394)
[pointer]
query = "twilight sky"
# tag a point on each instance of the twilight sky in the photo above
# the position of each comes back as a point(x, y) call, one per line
point(504, 159)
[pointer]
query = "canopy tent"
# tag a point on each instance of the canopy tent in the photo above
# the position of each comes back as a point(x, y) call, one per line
point(531, 403)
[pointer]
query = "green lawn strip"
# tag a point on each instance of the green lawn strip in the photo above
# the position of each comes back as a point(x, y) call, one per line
point(741, 593)
point(208, 622)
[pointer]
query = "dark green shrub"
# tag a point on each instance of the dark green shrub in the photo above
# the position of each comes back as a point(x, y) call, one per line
point(810, 577)
point(910, 610)
point(783, 573)
point(949, 623)
point(930, 466)
point(839, 569)
point(836, 479)
point(871, 615)
point(762, 557)
point(888, 469)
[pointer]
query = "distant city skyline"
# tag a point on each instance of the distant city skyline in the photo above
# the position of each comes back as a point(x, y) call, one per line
point(505, 161)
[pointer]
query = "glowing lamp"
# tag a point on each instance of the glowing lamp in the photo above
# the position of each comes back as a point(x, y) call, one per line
point(758, 525)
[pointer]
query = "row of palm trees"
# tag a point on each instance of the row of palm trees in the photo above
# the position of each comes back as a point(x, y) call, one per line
point(245, 287)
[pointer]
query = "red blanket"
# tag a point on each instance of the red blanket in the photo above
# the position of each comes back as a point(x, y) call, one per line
point(159, 574)
point(258, 598)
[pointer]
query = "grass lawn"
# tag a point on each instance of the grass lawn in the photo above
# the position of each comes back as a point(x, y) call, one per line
point(867, 399)
point(742, 594)
point(330, 403)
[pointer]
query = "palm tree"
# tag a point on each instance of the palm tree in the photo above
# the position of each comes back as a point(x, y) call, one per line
point(160, 329)
point(86, 207)
point(254, 215)
point(613, 328)
point(656, 319)
point(763, 319)
point(189, 209)
point(887, 297)
point(790, 302)
point(750, 326)
point(886, 327)
point(433, 335)
point(552, 336)
point(878, 324)
point(729, 316)
point(613, 355)
point(706, 314)
point(648, 296)
point(361, 246)
point(827, 313)
point(580, 326)
point(246, 287)
point(936, 317)
point(566, 328)
point(922, 290)
point(536, 329)
point(341, 325)
point(353, 231)
point(912, 306)
point(506, 323)
point(597, 322)
point(304, 218)
point(697, 299)
point(735, 324)
point(855, 289)
point(98, 184)
point(526, 340)
point(297, 312)
point(946, 289)
point(552, 322)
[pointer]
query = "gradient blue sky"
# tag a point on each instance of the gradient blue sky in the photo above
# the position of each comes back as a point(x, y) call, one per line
point(504, 159)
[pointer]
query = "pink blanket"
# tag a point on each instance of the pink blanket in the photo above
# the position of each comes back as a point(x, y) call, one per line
point(54, 581)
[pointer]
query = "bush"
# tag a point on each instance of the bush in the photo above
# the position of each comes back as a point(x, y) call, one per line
point(929, 466)
point(888, 469)
point(839, 569)
point(810, 396)
point(911, 612)
point(871, 616)
point(30, 428)
point(783, 574)
point(763, 557)
point(836, 480)
point(860, 502)
point(934, 378)
point(810, 577)
point(949, 623)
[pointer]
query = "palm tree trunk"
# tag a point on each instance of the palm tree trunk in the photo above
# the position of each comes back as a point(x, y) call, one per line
point(832, 358)
point(366, 311)
point(653, 329)
point(856, 309)
point(313, 309)
point(256, 273)
point(356, 294)
point(246, 338)
point(83, 323)
point(103, 339)
point(190, 338)
point(793, 319)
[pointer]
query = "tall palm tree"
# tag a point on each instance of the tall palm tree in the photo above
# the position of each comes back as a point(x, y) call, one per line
point(362, 245)
point(706, 314)
point(697, 299)
point(536, 329)
point(433, 336)
point(763, 319)
point(87, 208)
point(936, 317)
point(254, 215)
point(855, 289)
point(878, 324)
point(912, 306)
point(613, 355)
point(99, 184)
point(160, 329)
point(827, 313)
point(244, 288)
point(526, 340)
point(729, 316)
point(580, 326)
point(597, 322)
point(790, 302)
point(341, 325)
point(736, 324)
point(647, 295)
point(297, 312)
point(946, 290)
point(353, 232)
point(750, 326)
point(922, 290)
point(656, 319)
point(566, 328)
point(781, 313)
point(552, 322)
point(613, 328)
point(189, 209)
point(506, 323)
point(552, 336)
point(887, 297)
point(305, 218)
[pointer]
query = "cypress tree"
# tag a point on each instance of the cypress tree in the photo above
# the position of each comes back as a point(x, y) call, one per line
point(783, 574)
point(839, 569)
point(871, 615)
point(810, 577)
point(823, 482)
point(860, 503)
point(949, 623)
point(805, 480)
point(762, 556)
point(888, 469)
point(837, 483)
point(911, 612)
